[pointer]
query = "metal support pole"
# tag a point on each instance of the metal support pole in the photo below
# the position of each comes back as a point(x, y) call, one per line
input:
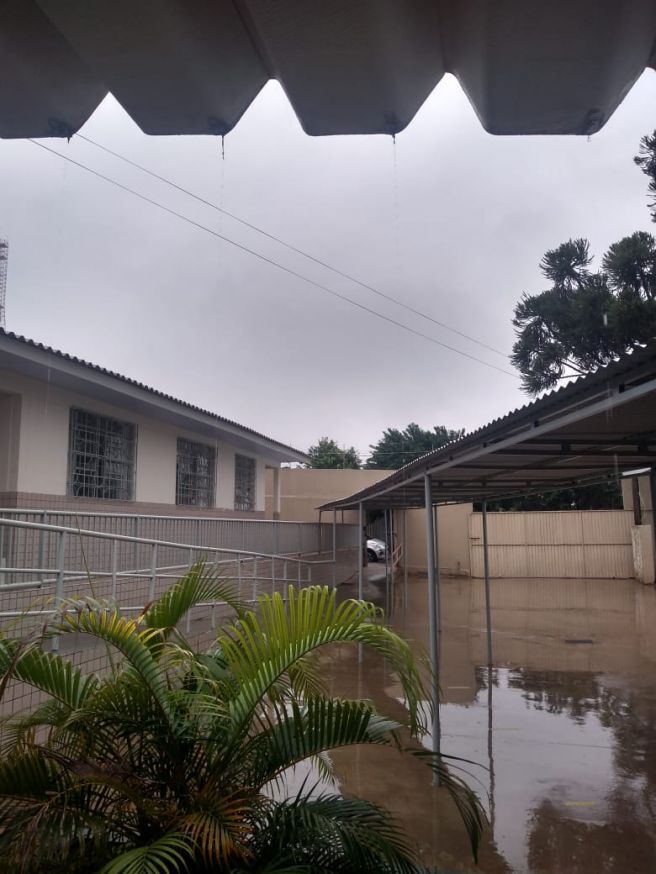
point(320, 539)
point(255, 578)
point(387, 548)
point(114, 563)
point(437, 566)
point(334, 548)
point(42, 536)
point(153, 572)
point(486, 572)
point(59, 585)
point(360, 551)
point(433, 619)
point(405, 560)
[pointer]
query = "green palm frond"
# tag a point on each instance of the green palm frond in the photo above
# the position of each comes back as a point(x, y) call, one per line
point(201, 584)
point(170, 854)
point(332, 833)
point(262, 648)
point(467, 802)
point(168, 764)
point(129, 639)
point(298, 732)
point(51, 673)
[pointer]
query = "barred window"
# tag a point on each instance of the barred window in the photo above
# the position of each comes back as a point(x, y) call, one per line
point(244, 482)
point(101, 457)
point(194, 479)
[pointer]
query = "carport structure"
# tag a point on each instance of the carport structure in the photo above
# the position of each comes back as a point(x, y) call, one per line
point(599, 427)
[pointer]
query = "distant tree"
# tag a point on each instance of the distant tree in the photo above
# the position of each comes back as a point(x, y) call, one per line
point(396, 448)
point(328, 454)
point(599, 496)
point(646, 160)
point(585, 319)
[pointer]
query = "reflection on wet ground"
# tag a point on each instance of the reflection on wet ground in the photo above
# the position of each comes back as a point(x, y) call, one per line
point(567, 752)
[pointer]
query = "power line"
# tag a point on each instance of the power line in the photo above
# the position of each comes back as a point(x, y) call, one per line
point(267, 260)
point(291, 247)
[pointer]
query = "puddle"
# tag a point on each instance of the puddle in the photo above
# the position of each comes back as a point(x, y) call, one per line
point(567, 752)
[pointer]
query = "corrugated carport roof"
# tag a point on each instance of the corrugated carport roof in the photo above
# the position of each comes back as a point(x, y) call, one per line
point(347, 66)
point(592, 429)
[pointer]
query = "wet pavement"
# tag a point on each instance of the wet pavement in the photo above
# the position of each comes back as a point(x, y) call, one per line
point(566, 753)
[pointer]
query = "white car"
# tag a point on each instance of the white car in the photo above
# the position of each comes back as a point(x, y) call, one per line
point(376, 549)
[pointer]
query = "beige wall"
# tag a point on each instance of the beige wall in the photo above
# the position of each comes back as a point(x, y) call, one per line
point(580, 544)
point(43, 447)
point(453, 538)
point(593, 544)
point(303, 490)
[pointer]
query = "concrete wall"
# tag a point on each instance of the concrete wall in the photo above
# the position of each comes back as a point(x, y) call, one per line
point(303, 490)
point(453, 538)
point(42, 462)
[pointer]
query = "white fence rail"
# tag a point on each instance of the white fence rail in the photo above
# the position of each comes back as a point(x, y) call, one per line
point(23, 547)
point(80, 562)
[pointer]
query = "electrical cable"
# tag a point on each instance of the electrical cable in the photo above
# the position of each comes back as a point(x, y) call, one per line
point(267, 260)
point(289, 246)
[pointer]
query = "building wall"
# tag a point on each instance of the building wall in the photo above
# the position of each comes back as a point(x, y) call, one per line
point(42, 463)
point(302, 490)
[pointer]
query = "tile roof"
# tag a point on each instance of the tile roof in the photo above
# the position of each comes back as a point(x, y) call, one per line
point(64, 356)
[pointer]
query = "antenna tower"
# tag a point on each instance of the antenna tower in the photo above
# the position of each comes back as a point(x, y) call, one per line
point(4, 255)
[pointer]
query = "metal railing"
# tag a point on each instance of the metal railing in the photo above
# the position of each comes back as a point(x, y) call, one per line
point(80, 562)
point(20, 548)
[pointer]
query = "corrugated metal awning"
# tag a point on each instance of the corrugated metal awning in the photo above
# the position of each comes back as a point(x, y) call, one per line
point(592, 430)
point(347, 66)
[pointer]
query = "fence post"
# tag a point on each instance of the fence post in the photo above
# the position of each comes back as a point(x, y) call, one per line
point(298, 565)
point(59, 586)
point(334, 548)
point(239, 572)
point(114, 556)
point(255, 578)
point(153, 572)
point(42, 538)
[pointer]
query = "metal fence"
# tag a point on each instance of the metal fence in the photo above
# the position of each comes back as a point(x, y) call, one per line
point(29, 547)
point(73, 562)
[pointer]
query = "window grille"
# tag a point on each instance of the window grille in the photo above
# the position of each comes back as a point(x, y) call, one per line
point(194, 481)
point(244, 483)
point(101, 457)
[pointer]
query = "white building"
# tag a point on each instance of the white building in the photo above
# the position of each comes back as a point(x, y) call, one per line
point(73, 435)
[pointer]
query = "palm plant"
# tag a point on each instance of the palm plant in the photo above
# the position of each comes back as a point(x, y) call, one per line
point(175, 760)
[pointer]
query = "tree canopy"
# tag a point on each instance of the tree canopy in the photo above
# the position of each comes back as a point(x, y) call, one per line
point(396, 448)
point(328, 454)
point(587, 317)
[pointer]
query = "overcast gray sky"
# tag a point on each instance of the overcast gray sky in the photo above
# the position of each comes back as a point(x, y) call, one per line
point(451, 220)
